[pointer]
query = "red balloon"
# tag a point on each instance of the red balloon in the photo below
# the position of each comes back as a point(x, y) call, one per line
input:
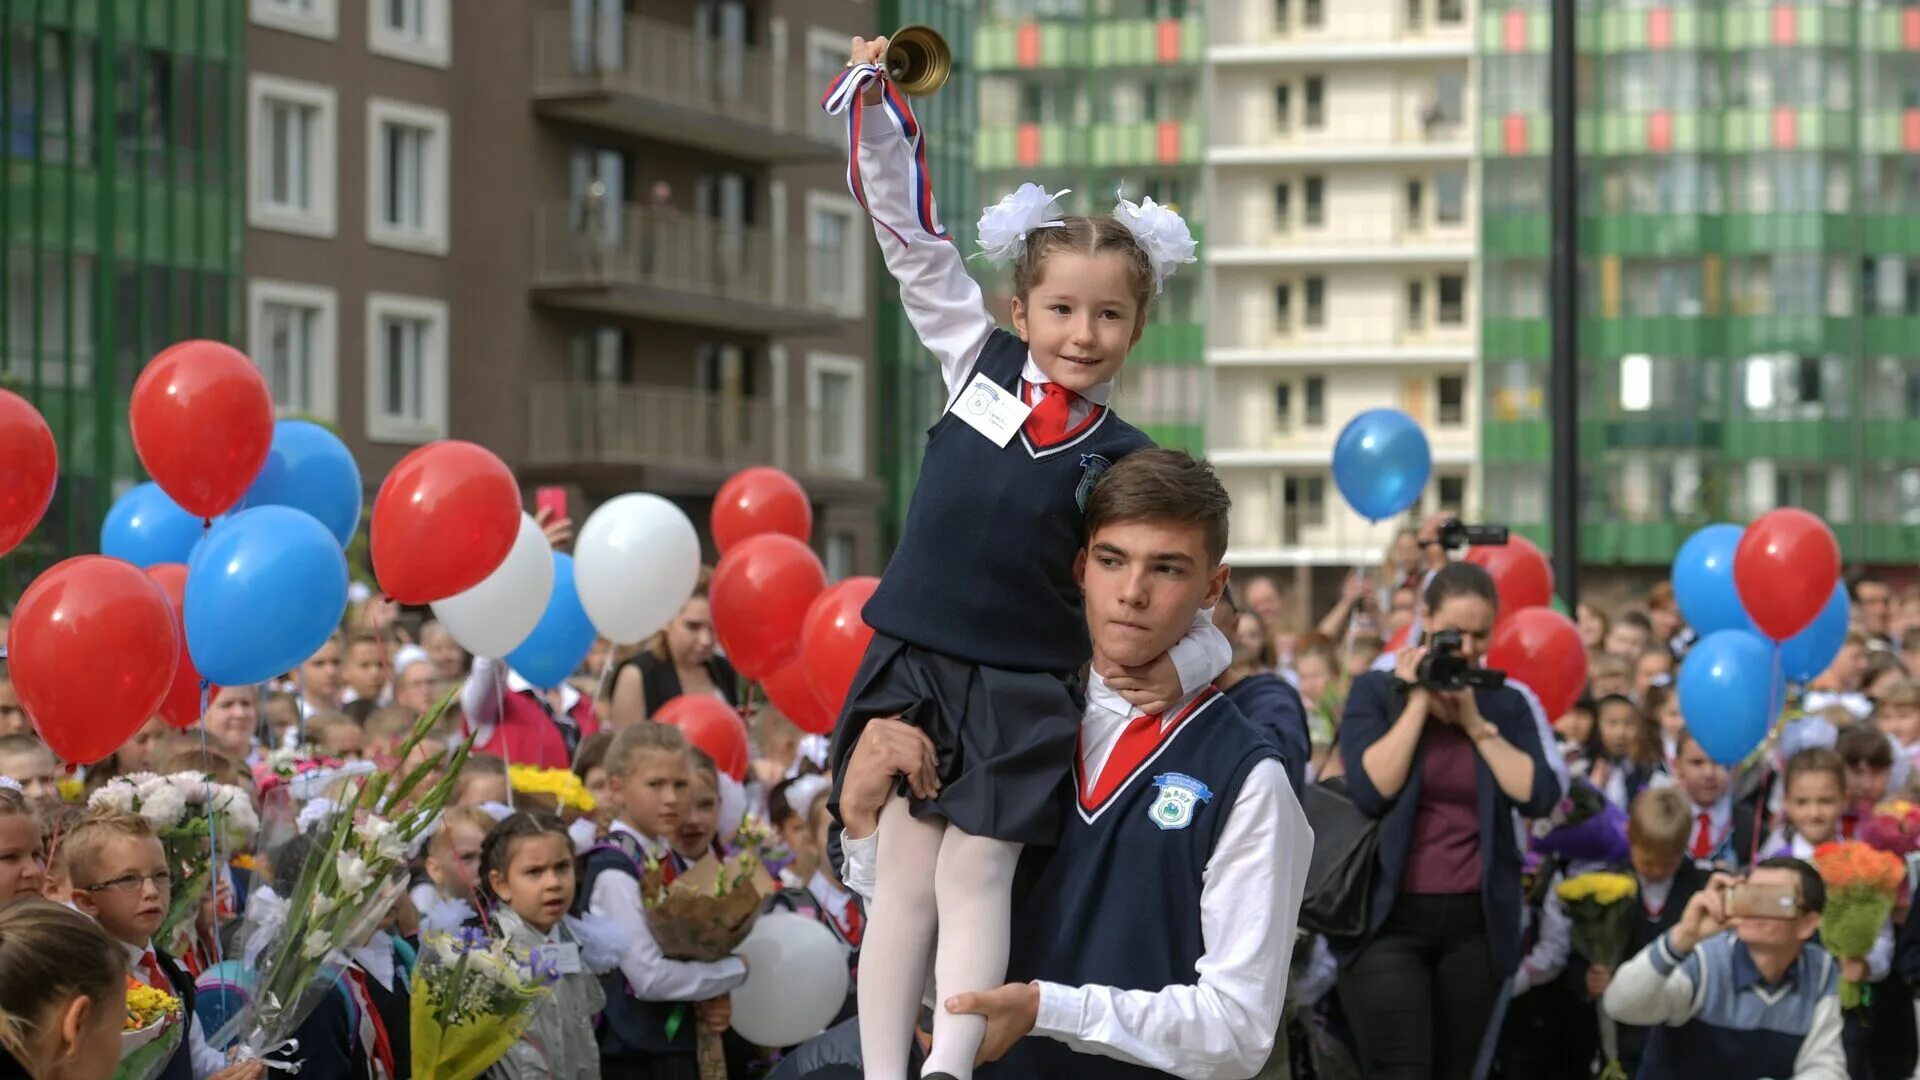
point(757, 501)
point(181, 709)
point(713, 726)
point(1785, 568)
point(93, 647)
point(792, 693)
point(1542, 648)
point(760, 594)
point(1520, 572)
point(29, 462)
point(835, 640)
point(445, 518)
point(202, 422)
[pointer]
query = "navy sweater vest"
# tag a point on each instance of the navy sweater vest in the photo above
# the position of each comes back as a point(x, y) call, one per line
point(630, 1027)
point(984, 570)
point(1118, 902)
point(180, 1065)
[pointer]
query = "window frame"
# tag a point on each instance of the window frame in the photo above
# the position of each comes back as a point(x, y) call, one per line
point(825, 363)
point(433, 237)
point(323, 23)
point(435, 49)
point(325, 371)
point(1313, 310)
point(854, 258)
point(382, 426)
point(320, 219)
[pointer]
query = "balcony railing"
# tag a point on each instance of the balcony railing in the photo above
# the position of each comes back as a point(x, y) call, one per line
point(687, 268)
point(660, 79)
point(588, 424)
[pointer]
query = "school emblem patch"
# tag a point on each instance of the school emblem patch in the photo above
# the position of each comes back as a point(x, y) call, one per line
point(1180, 795)
point(1092, 468)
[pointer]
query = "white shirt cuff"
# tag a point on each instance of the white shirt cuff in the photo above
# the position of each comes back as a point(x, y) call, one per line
point(859, 859)
point(1060, 1011)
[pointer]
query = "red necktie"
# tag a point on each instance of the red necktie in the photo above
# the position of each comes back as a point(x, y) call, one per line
point(381, 1053)
point(1047, 423)
point(156, 978)
point(1703, 838)
point(1143, 728)
point(855, 923)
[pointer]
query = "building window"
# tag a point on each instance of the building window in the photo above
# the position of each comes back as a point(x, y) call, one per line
point(1283, 405)
point(1283, 308)
point(1446, 104)
point(1282, 18)
point(1519, 388)
point(1316, 302)
point(1451, 394)
point(836, 413)
point(1282, 210)
point(1316, 108)
point(291, 162)
point(416, 30)
point(1416, 13)
point(1416, 206)
point(1313, 13)
point(838, 255)
point(1453, 300)
point(1451, 492)
point(1449, 12)
point(407, 176)
point(1283, 108)
point(1316, 403)
point(406, 368)
point(1316, 200)
point(1416, 305)
point(840, 553)
point(1450, 196)
point(311, 18)
point(291, 331)
point(1306, 499)
point(826, 58)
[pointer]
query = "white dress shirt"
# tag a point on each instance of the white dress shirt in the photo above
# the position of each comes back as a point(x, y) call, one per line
point(205, 1059)
point(1223, 1024)
point(651, 975)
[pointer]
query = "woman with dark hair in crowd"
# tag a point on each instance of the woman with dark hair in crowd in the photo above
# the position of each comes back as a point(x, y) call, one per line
point(1444, 773)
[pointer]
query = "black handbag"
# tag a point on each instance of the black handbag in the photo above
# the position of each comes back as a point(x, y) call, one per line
point(1340, 874)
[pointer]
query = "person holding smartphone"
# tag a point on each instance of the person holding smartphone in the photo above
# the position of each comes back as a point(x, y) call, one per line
point(1739, 987)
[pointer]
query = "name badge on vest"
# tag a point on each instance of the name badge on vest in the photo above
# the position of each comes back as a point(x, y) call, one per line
point(1180, 795)
point(990, 409)
point(565, 956)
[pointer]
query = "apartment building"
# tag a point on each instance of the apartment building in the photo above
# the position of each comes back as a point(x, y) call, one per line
point(609, 240)
point(1343, 232)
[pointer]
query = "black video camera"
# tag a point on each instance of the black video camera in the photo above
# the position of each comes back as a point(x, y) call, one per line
point(1444, 668)
point(1455, 535)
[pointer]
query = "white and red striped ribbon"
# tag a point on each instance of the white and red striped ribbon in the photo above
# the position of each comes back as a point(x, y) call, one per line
point(844, 95)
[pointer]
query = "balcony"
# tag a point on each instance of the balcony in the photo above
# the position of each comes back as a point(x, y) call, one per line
point(660, 80)
point(687, 442)
point(682, 268)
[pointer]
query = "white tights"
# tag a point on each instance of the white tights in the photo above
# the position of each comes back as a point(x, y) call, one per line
point(931, 876)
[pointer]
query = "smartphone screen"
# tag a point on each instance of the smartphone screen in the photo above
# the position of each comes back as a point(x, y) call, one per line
point(1763, 901)
point(553, 500)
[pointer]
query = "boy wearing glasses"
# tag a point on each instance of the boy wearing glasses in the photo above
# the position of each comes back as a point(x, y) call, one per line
point(120, 879)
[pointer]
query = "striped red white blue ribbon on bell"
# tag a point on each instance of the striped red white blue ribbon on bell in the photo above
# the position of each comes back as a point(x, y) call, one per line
point(844, 96)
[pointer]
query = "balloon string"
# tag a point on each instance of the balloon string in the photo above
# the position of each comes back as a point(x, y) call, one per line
point(213, 830)
point(604, 688)
point(500, 726)
point(380, 637)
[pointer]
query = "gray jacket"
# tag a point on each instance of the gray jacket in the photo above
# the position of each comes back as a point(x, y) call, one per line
point(560, 1041)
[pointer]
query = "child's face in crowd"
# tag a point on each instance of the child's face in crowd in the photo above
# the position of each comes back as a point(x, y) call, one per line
point(1249, 638)
point(23, 859)
point(538, 884)
point(136, 754)
point(1703, 779)
point(483, 789)
point(366, 675)
point(38, 776)
point(1883, 683)
point(596, 782)
point(1610, 681)
point(13, 718)
point(653, 796)
point(344, 741)
point(1669, 717)
point(1576, 727)
point(818, 830)
point(453, 860)
point(1814, 800)
point(1626, 641)
point(797, 835)
point(1618, 723)
point(1650, 666)
point(1902, 721)
point(129, 888)
point(1866, 783)
point(1083, 308)
point(699, 819)
point(1653, 865)
point(413, 687)
point(448, 658)
point(283, 716)
point(320, 675)
point(232, 717)
point(1848, 667)
point(1315, 675)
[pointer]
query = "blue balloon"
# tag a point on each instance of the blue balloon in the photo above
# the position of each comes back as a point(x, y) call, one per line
point(1381, 463)
point(146, 528)
point(310, 469)
point(1730, 693)
point(264, 591)
point(1807, 653)
point(561, 639)
point(1703, 582)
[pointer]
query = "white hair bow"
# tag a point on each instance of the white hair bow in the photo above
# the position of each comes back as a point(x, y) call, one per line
point(1004, 225)
point(1161, 232)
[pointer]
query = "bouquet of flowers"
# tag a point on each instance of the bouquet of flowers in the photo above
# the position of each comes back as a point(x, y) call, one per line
point(1584, 827)
point(1894, 828)
point(568, 793)
point(472, 998)
point(704, 913)
point(354, 868)
point(1599, 907)
point(1862, 884)
point(156, 1022)
point(192, 816)
point(304, 773)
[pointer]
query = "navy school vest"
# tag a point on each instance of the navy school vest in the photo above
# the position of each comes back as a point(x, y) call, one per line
point(984, 570)
point(630, 1027)
point(1118, 902)
point(180, 1066)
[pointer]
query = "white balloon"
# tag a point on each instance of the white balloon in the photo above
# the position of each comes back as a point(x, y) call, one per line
point(796, 981)
point(635, 563)
point(495, 616)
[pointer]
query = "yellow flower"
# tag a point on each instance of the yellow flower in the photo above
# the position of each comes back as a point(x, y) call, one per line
point(565, 787)
point(1599, 887)
point(73, 791)
point(147, 1006)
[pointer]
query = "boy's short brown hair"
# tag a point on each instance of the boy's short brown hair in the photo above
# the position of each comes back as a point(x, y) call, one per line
point(390, 722)
point(1657, 822)
point(1162, 485)
point(478, 766)
point(1814, 759)
point(80, 849)
point(22, 743)
point(637, 739)
point(1863, 744)
point(1904, 692)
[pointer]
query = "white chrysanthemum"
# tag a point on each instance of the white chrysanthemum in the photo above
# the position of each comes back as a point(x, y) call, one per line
point(1161, 232)
point(116, 795)
point(1004, 225)
point(163, 806)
